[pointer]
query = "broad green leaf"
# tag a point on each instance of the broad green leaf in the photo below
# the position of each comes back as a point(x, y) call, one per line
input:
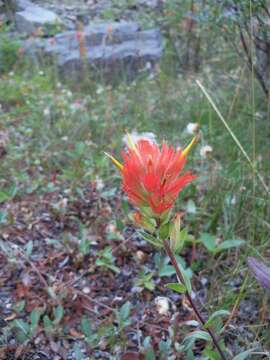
point(48, 325)
point(58, 314)
point(211, 354)
point(167, 270)
point(186, 278)
point(29, 248)
point(124, 311)
point(22, 325)
point(209, 241)
point(200, 335)
point(243, 355)
point(180, 288)
point(164, 231)
point(149, 354)
point(34, 316)
point(228, 244)
point(151, 239)
point(214, 316)
point(86, 326)
point(19, 306)
point(189, 340)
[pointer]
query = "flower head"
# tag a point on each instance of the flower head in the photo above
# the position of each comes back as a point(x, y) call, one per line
point(192, 128)
point(152, 176)
point(205, 151)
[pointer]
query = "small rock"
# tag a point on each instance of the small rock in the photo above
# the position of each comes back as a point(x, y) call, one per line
point(34, 17)
point(23, 4)
point(86, 290)
point(141, 256)
point(162, 305)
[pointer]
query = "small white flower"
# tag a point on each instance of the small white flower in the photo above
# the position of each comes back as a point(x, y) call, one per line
point(162, 305)
point(205, 151)
point(135, 137)
point(192, 128)
point(46, 112)
point(99, 183)
point(99, 90)
point(11, 73)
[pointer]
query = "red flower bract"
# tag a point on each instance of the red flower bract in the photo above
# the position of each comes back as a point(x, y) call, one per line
point(151, 176)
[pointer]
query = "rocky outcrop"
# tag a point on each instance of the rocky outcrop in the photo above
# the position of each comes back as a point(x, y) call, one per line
point(32, 17)
point(109, 50)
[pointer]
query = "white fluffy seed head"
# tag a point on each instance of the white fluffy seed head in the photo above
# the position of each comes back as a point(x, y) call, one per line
point(192, 128)
point(205, 151)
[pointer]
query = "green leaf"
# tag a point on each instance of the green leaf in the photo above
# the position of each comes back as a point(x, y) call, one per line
point(180, 288)
point(149, 351)
point(86, 326)
point(58, 314)
point(22, 325)
point(124, 311)
point(151, 239)
point(192, 337)
point(209, 241)
point(243, 355)
point(186, 278)
point(48, 325)
point(3, 216)
point(149, 354)
point(149, 285)
point(228, 244)
point(19, 306)
point(164, 231)
point(34, 316)
point(29, 248)
point(214, 316)
point(211, 354)
point(167, 270)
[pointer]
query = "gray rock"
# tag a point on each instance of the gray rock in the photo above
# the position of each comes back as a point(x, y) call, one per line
point(111, 50)
point(34, 17)
point(102, 33)
point(23, 4)
point(123, 60)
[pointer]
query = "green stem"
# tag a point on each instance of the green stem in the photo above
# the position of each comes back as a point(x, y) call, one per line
point(192, 304)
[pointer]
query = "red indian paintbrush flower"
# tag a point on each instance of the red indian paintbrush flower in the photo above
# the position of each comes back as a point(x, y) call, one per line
point(152, 176)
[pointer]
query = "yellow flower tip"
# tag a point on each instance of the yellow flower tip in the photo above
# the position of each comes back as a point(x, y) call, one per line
point(194, 141)
point(116, 162)
point(130, 142)
point(132, 145)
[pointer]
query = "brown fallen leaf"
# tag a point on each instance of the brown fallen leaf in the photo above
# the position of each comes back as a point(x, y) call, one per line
point(75, 334)
point(11, 317)
point(132, 356)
